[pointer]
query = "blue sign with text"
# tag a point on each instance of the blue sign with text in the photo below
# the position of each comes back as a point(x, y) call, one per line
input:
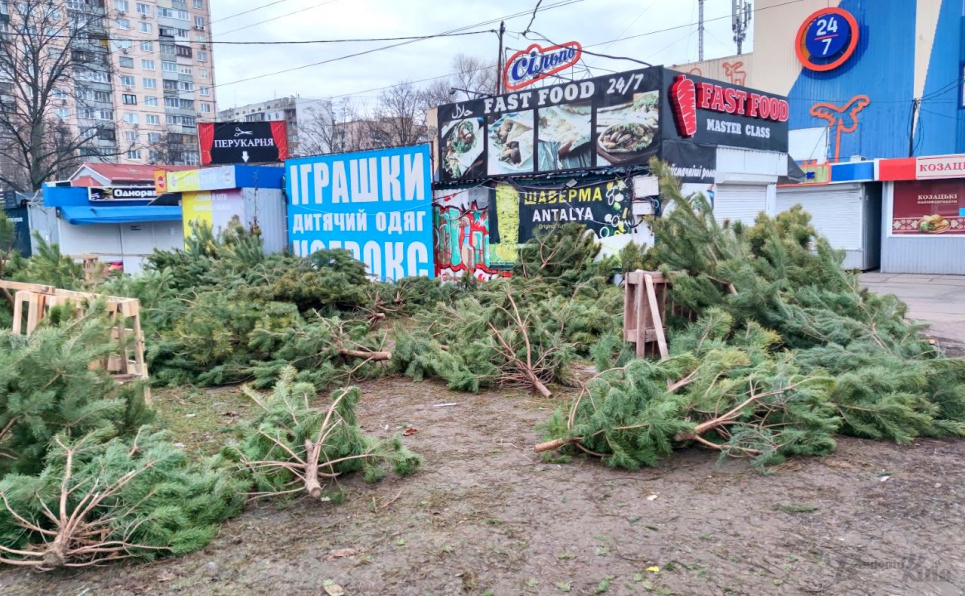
point(375, 204)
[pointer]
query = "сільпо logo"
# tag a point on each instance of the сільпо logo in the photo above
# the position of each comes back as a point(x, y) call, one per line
point(536, 63)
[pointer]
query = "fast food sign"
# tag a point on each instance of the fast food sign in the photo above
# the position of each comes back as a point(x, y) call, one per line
point(615, 121)
point(536, 63)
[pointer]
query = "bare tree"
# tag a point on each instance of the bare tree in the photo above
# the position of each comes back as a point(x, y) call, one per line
point(473, 74)
point(331, 127)
point(50, 53)
point(398, 117)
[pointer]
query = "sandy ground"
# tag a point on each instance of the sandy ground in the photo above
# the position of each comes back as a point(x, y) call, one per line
point(487, 516)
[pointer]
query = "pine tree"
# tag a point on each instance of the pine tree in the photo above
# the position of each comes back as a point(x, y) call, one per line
point(293, 446)
point(97, 501)
point(47, 387)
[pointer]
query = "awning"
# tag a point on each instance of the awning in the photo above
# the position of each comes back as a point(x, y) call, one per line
point(795, 175)
point(83, 215)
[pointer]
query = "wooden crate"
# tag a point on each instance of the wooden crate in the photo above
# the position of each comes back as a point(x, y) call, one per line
point(644, 313)
point(36, 300)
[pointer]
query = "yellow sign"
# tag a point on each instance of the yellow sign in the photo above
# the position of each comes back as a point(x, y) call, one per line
point(216, 210)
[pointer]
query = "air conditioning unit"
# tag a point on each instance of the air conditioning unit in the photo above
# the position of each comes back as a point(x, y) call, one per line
point(125, 51)
point(145, 16)
point(200, 28)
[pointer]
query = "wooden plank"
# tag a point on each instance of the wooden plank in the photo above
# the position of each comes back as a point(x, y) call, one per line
point(642, 321)
point(18, 300)
point(629, 312)
point(657, 319)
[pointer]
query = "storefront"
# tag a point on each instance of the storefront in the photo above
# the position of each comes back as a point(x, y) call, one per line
point(923, 227)
point(120, 234)
point(247, 196)
point(512, 165)
point(844, 202)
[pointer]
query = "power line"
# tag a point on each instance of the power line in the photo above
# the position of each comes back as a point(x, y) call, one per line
point(238, 14)
point(381, 48)
point(319, 5)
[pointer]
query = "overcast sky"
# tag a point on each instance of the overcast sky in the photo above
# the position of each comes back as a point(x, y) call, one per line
point(594, 23)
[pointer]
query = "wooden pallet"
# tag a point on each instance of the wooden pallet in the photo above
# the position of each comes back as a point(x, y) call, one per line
point(644, 313)
point(36, 300)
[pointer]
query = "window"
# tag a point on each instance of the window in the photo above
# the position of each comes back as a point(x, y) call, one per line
point(128, 81)
point(171, 102)
point(122, 5)
point(199, 3)
point(147, 64)
point(147, 46)
point(104, 114)
point(130, 136)
point(129, 99)
point(202, 56)
point(153, 155)
point(105, 134)
point(181, 15)
point(192, 158)
point(153, 137)
point(144, 9)
point(206, 108)
point(186, 104)
point(102, 96)
point(185, 86)
point(183, 69)
point(150, 100)
point(130, 117)
point(63, 113)
point(134, 154)
point(205, 91)
point(127, 62)
point(145, 27)
point(152, 118)
point(199, 22)
point(149, 83)
point(182, 51)
point(181, 33)
point(123, 24)
point(169, 66)
point(203, 73)
point(170, 85)
point(86, 113)
point(123, 44)
point(58, 94)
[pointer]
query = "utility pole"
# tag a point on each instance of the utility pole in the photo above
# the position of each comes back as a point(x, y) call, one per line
point(499, 61)
point(740, 19)
point(700, 31)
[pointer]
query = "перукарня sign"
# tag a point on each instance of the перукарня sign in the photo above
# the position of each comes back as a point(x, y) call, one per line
point(242, 142)
point(375, 204)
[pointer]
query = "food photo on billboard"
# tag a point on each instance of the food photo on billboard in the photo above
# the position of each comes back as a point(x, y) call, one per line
point(565, 137)
point(463, 147)
point(628, 132)
point(511, 138)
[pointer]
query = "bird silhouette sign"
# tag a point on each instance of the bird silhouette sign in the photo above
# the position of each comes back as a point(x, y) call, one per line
point(841, 118)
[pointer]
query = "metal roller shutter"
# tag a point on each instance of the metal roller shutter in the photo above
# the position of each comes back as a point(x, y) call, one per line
point(836, 212)
point(739, 202)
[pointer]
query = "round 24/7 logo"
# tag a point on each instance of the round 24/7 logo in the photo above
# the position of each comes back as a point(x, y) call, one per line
point(827, 39)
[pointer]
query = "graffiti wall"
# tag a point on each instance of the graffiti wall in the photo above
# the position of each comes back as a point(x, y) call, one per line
point(462, 237)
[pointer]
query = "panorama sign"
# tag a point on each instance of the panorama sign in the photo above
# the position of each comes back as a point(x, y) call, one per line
point(536, 63)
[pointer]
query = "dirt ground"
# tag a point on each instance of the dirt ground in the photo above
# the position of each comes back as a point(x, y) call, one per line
point(487, 516)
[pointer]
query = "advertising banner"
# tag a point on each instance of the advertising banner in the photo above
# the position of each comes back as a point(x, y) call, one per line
point(709, 112)
point(600, 122)
point(927, 208)
point(242, 142)
point(604, 207)
point(216, 210)
point(201, 180)
point(690, 162)
point(375, 204)
point(121, 193)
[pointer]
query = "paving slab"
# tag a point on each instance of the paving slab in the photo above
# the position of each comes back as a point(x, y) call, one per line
point(938, 300)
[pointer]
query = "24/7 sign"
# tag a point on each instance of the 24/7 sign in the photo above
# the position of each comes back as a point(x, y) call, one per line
point(827, 39)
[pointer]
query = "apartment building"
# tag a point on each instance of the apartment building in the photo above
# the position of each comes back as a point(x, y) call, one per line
point(304, 117)
point(163, 82)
